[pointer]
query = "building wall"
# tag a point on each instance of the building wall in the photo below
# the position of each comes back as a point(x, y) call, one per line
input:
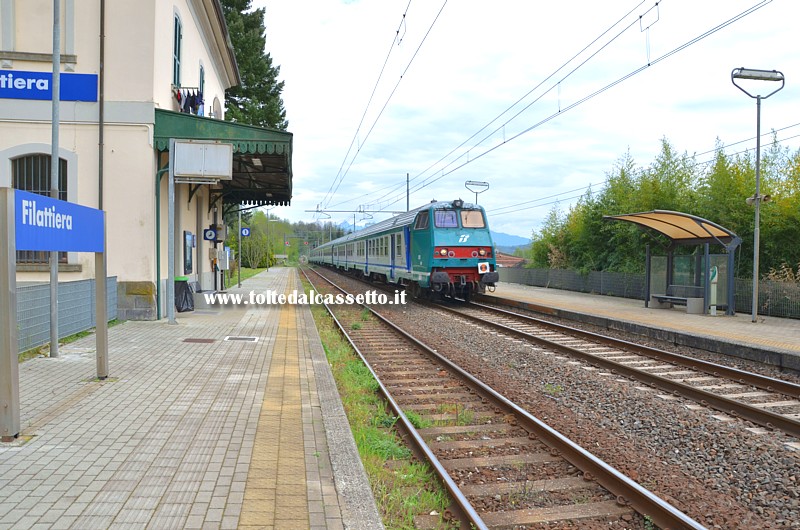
point(198, 49)
point(138, 79)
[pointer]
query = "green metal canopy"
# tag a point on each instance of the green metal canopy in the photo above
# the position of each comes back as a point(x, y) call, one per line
point(262, 158)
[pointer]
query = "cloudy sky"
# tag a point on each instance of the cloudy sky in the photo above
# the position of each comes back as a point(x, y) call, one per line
point(502, 92)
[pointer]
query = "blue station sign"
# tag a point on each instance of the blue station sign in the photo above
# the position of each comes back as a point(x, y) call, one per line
point(15, 84)
point(43, 223)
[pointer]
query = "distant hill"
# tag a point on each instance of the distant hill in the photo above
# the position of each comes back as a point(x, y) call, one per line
point(508, 243)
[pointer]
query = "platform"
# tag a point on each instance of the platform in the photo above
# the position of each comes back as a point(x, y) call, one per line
point(771, 340)
point(190, 430)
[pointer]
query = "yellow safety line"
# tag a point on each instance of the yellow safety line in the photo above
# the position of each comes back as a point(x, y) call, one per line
point(275, 494)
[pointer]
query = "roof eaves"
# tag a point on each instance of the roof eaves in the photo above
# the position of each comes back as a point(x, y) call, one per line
point(237, 78)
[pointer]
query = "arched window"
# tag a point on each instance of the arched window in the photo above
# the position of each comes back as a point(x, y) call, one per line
point(32, 173)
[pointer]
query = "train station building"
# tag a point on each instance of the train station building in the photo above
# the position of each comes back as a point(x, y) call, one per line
point(143, 73)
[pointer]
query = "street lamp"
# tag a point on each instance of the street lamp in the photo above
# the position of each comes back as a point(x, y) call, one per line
point(757, 75)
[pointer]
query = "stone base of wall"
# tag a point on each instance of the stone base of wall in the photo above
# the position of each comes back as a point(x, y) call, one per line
point(136, 301)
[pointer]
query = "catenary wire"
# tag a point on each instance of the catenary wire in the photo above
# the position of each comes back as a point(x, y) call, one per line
point(522, 98)
point(369, 102)
point(700, 37)
point(386, 103)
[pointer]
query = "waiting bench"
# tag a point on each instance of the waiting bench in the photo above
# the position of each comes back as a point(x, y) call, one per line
point(691, 296)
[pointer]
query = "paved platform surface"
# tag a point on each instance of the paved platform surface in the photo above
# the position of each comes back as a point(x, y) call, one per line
point(771, 339)
point(190, 430)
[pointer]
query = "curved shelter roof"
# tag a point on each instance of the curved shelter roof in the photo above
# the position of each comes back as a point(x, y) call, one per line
point(681, 228)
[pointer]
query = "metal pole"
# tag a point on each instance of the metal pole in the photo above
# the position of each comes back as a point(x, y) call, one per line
point(56, 98)
point(101, 309)
point(756, 230)
point(239, 249)
point(9, 358)
point(159, 173)
point(269, 242)
point(408, 207)
point(171, 234)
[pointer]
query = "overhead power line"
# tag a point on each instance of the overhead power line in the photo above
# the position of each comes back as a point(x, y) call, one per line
point(369, 101)
point(590, 96)
point(528, 205)
point(522, 98)
point(342, 175)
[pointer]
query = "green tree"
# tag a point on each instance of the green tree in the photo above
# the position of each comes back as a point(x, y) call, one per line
point(257, 100)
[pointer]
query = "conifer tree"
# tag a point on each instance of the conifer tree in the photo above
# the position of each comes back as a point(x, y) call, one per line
point(257, 100)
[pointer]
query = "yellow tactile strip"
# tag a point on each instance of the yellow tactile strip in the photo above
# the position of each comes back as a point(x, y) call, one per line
point(275, 494)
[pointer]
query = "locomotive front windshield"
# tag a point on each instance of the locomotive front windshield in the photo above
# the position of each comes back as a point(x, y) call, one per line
point(445, 219)
point(472, 219)
point(449, 219)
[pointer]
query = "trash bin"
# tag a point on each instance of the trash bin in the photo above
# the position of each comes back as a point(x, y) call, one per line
point(184, 296)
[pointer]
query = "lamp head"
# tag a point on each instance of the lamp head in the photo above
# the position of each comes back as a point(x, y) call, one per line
point(753, 74)
point(757, 75)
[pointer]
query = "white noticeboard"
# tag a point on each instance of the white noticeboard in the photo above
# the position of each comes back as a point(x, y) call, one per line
point(203, 159)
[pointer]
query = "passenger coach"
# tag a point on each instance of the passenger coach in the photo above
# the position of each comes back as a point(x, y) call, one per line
point(442, 247)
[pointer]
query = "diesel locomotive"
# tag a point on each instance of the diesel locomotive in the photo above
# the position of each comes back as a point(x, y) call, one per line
point(442, 248)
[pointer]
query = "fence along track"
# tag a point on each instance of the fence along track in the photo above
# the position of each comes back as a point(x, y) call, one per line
point(738, 393)
point(503, 467)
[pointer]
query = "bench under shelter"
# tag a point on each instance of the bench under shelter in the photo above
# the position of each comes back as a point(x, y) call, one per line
point(701, 281)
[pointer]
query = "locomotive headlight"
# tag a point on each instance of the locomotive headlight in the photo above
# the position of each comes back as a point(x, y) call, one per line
point(443, 252)
point(482, 252)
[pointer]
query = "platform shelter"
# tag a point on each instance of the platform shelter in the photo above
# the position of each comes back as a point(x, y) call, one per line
point(701, 281)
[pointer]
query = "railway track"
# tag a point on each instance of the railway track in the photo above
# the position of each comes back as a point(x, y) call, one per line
point(503, 467)
point(765, 401)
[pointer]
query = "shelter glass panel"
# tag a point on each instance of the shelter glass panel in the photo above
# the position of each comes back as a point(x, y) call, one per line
point(658, 274)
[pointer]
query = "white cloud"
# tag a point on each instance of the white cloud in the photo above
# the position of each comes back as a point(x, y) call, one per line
point(477, 60)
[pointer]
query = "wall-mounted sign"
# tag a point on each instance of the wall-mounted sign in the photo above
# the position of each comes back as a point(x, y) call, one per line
point(15, 84)
point(203, 159)
point(50, 224)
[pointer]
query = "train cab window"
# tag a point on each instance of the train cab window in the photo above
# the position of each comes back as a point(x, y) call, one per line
point(445, 219)
point(472, 219)
point(423, 218)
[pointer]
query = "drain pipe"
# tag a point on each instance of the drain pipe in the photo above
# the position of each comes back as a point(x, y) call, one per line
point(159, 174)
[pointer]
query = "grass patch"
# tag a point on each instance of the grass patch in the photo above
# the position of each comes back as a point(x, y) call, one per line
point(233, 276)
point(417, 421)
point(402, 486)
point(552, 389)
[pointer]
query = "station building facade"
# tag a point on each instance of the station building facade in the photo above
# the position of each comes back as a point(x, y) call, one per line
point(142, 73)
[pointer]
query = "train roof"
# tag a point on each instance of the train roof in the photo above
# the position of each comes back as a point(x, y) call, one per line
point(402, 219)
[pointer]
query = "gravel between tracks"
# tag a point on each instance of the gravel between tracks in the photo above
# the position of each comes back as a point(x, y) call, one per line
point(717, 472)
